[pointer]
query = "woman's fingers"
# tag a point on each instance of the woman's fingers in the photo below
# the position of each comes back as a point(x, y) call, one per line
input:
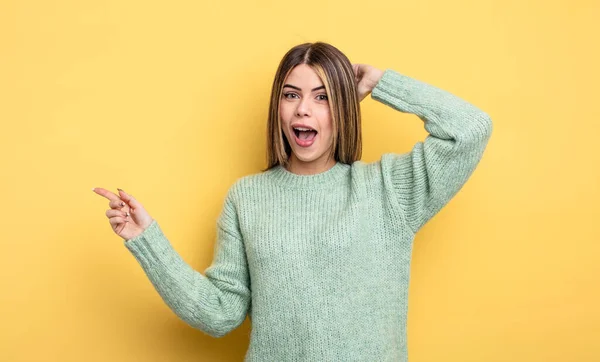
point(130, 200)
point(124, 208)
point(113, 212)
point(117, 220)
point(121, 216)
point(105, 193)
point(116, 204)
point(116, 201)
point(358, 69)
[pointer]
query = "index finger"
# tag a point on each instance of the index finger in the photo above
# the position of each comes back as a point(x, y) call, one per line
point(105, 193)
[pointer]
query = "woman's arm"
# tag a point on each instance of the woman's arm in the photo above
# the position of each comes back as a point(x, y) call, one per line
point(425, 179)
point(216, 303)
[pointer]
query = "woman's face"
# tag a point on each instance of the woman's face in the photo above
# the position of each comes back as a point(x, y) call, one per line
point(305, 117)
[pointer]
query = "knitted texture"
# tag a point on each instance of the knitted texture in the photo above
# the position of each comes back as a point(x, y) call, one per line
point(320, 263)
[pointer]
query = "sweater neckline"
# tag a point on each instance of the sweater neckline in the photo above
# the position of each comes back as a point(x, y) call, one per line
point(330, 177)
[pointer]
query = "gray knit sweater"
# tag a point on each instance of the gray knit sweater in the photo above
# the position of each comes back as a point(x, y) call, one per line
point(321, 263)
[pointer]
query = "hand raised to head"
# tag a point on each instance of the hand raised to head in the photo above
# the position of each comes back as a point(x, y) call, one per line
point(366, 77)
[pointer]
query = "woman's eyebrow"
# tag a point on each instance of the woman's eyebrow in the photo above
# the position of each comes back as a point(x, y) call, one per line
point(292, 86)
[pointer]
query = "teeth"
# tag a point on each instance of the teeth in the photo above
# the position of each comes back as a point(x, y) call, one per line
point(303, 129)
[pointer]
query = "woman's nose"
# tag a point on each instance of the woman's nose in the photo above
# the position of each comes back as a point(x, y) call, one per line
point(303, 108)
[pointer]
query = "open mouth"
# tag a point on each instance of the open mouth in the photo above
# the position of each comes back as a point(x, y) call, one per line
point(305, 134)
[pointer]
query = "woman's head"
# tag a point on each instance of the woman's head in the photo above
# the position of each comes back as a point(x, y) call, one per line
point(314, 113)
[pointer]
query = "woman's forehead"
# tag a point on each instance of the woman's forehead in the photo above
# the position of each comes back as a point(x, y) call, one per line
point(304, 76)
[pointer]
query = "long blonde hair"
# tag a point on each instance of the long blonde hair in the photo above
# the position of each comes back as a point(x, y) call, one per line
point(337, 75)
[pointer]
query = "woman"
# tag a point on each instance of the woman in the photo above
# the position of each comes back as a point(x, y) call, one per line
point(316, 249)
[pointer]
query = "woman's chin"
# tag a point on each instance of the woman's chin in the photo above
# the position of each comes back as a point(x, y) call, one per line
point(305, 156)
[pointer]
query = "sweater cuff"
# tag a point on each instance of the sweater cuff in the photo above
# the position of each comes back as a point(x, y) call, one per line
point(150, 244)
point(392, 86)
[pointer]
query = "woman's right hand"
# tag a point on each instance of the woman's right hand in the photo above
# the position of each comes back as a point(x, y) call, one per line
point(126, 215)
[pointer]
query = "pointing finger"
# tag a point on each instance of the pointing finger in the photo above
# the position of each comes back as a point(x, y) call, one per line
point(105, 193)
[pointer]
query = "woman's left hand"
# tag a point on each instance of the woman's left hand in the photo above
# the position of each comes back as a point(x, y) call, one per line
point(367, 78)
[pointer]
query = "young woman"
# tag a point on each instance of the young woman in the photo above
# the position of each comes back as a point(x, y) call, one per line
point(316, 249)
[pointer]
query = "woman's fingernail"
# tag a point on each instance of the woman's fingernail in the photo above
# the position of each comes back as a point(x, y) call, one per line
point(122, 203)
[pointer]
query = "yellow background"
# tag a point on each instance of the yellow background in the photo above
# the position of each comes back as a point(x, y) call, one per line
point(168, 100)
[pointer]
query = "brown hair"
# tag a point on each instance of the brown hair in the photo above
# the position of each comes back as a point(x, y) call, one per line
point(337, 75)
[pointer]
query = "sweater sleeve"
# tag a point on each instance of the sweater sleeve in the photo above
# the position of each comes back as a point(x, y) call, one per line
point(217, 302)
point(425, 179)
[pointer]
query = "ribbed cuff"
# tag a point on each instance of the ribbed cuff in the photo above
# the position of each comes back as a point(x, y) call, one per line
point(391, 88)
point(151, 244)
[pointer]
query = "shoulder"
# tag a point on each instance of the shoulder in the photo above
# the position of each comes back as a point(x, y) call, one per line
point(239, 195)
point(382, 173)
point(380, 167)
point(246, 186)
point(392, 160)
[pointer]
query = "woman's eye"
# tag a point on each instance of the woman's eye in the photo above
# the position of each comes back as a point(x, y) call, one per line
point(289, 95)
point(323, 97)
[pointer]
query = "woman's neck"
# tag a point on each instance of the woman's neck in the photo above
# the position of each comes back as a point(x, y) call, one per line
point(310, 168)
